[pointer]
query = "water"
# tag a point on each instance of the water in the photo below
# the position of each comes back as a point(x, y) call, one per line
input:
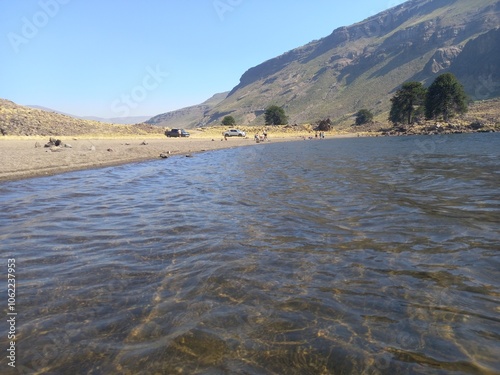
point(348, 256)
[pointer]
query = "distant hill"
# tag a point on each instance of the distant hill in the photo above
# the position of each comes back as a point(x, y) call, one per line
point(362, 65)
point(21, 120)
point(119, 120)
point(188, 117)
point(114, 120)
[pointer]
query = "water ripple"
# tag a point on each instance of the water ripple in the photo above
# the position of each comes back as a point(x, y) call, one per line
point(341, 256)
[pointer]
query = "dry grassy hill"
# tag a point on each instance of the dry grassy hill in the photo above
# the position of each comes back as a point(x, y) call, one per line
point(25, 121)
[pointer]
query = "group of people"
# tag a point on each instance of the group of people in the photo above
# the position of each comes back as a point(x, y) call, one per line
point(261, 138)
point(321, 135)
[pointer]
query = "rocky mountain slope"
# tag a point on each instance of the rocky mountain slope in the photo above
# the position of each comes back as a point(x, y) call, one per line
point(361, 66)
point(20, 120)
point(188, 117)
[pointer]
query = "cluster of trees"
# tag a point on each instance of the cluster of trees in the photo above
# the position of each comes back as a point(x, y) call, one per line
point(274, 115)
point(443, 99)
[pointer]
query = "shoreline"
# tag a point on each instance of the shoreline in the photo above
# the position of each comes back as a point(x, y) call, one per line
point(21, 159)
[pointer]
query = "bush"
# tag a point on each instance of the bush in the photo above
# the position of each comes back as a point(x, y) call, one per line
point(229, 121)
point(275, 115)
point(364, 116)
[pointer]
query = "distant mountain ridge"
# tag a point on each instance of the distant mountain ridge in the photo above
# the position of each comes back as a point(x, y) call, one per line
point(114, 120)
point(361, 66)
point(188, 117)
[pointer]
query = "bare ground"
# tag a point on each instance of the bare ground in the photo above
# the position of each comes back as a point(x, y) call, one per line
point(27, 157)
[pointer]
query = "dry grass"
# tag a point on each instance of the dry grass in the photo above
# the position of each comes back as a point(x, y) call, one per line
point(281, 131)
point(17, 120)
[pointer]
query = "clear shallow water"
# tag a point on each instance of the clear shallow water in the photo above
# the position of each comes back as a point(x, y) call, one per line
point(350, 256)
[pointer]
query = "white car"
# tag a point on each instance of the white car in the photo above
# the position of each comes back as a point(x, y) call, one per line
point(234, 133)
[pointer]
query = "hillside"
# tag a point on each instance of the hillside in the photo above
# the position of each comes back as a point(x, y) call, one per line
point(188, 117)
point(361, 66)
point(131, 120)
point(20, 120)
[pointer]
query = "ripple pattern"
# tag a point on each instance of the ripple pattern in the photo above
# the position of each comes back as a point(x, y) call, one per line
point(347, 256)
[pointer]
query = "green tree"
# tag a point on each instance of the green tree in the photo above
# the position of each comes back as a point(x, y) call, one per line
point(275, 115)
point(407, 103)
point(445, 97)
point(228, 121)
point(363, 116)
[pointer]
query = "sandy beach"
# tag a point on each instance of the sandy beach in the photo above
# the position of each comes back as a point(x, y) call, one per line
point(23, 157)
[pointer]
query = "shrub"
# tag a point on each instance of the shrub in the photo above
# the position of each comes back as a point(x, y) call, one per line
point(363, 116)
point(228, 121)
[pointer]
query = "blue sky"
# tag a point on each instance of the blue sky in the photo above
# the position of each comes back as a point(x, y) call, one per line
point(114, 58)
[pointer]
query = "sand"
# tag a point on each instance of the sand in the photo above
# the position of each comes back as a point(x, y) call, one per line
point(21, 159)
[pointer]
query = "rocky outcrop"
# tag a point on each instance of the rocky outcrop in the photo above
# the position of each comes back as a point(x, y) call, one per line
point(442, 60)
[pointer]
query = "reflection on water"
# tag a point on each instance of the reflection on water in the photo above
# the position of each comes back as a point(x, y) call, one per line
point(351, 256)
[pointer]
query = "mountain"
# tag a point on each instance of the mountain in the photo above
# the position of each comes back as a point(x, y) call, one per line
point(188, 117)
point(21, 120)
point(478, 66)
point(115, 120)
point(131, 120)
point(362, 65)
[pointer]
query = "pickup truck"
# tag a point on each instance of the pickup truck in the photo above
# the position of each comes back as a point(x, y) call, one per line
point(234, 133)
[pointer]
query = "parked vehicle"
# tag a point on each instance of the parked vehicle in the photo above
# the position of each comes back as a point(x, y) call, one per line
point(176, 133)
point(234, 133)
